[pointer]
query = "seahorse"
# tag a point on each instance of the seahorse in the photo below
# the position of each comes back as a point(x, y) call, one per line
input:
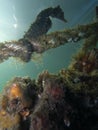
point(43, 22)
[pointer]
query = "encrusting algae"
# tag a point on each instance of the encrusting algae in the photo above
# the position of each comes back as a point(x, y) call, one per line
point(64, 101)
point(8, 121)
point(36, 39)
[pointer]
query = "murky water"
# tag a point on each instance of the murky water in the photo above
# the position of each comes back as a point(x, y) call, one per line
point(15, 18)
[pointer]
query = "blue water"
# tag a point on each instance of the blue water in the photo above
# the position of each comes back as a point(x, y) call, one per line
point(16, 17)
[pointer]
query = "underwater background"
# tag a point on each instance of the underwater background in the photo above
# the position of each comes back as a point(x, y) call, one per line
point(15, 19)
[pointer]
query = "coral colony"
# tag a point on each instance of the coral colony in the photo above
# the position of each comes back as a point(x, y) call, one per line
point(64, 101)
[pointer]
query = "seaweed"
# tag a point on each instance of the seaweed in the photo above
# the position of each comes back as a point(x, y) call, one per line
point(39, 41)
point(64, 101)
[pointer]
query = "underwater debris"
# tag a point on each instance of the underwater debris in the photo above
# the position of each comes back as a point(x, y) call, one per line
point(36, 39)
point(20, 49)
point(62, 104)
point(64, 101)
